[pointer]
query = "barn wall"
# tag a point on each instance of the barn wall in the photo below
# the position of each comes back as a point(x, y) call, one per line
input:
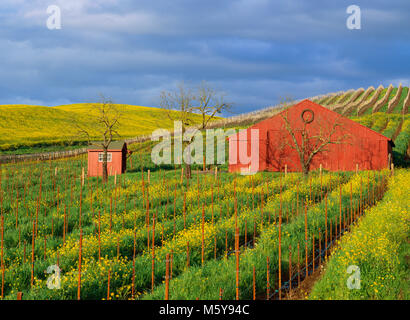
point(362, 146)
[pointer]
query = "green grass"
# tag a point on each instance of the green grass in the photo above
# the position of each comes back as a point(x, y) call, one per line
point(402, 144)
point(379, 246)
point(204, 281)
point(22, 182)
point(392, 125)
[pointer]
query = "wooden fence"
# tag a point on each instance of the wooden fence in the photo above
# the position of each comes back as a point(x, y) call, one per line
point(14, 158)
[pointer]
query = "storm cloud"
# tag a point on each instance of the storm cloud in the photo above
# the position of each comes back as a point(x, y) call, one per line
point(257, 51)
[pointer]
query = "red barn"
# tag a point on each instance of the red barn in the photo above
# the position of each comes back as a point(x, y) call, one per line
point(350, 144)
point(116, 159)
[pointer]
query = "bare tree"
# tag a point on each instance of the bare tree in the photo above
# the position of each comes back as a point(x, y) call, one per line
point(308, 145)
point(105, 122)
point(210, 103)
point(178, 106)
point(285, 102)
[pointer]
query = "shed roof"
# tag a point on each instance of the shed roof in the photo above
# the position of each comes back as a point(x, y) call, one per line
point(115, 145)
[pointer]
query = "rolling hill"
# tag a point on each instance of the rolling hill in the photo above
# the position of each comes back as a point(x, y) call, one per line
point(384, 110)
point(23, 126)
point(24, 129)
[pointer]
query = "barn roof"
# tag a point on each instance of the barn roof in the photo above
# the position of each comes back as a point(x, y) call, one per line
point(309, 102)
point(347, 119)
point(115, 145)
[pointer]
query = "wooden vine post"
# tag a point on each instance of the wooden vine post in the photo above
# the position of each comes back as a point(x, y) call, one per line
point(167, 277)
point(153, 254)
point(320, 247)
point(184, 208)
point(306, 242)
point(2, 247)
point(237, 261)
point(108, 284)
point(340, 208)
point(290, 267)
point(133, 268)
point(203, 235)
point(325, 225)
point(280, 255)
point(32, 252)
point(351, 203)
point(79, 265)
point(313, 252)
point(267, 279)
point(254, 283)
point(298, 264)
point(187, 254)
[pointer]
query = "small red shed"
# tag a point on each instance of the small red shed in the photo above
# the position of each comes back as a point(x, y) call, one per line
point(116, 159)
point(358, 146)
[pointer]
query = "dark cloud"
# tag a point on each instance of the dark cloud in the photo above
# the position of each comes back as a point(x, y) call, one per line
point(255, 50)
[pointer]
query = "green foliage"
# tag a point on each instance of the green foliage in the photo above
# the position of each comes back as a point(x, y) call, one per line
point(379, 246)
point(204, 282)
point(402, 141)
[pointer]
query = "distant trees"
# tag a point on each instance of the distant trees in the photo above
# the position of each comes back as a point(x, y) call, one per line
point(178, 106)
point(106, 116)
point(183, 103)
point(209, 103)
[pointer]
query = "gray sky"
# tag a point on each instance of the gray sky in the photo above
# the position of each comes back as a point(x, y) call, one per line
point(256, 51)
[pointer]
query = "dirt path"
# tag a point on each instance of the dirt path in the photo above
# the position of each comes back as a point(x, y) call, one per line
point(302, 292)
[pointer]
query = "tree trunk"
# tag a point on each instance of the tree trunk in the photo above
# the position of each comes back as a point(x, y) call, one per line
point(188, 171)
point(105, 167)
point(305, 170)
point(187, 165)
